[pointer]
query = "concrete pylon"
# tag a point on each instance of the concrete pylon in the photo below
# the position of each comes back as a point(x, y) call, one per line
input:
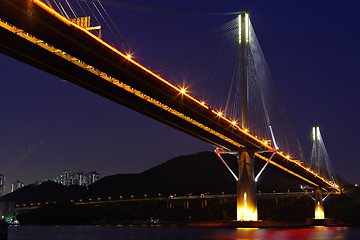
point(246, 188)
point(319, 204)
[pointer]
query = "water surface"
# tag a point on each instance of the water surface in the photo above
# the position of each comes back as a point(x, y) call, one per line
point(177, 233)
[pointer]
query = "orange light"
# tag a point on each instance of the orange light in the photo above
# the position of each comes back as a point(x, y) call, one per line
point(265, 142)
point(128, 56)
point(246, 130)
point(246, 210)
point(288, 156)
point(183, 90)
point(219, 113)
point(319, 211)
point(234, 122)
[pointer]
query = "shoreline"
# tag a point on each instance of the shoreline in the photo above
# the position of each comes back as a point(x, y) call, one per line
point(215, 224)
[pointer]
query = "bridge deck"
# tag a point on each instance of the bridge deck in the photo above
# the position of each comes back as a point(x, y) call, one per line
point(68, 51)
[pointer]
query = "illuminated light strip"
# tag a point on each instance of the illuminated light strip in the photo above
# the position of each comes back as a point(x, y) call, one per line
point(308, 170)
point(239, 28)
point(247, 23)
point(116, 82)
point(242, 130)
point(201, 103)
point(285, 169)
point(247, 27)
point(314, 134)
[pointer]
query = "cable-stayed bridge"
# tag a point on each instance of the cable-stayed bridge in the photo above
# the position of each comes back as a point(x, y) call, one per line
point(33, 32)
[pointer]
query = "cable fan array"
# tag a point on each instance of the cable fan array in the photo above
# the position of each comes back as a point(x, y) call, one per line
point(319, 159)
point(211, 65)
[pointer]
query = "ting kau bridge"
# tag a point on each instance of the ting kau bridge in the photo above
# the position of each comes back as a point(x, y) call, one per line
point(34, 32)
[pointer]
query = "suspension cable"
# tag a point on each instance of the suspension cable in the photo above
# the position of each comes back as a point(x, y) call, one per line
point(307, 193)
point(97, 20)
point(122, 37)
point(66, 15)
point(49, 4)
point(61, 12)
point(81, 7)
point(232, 80)
point(71, 8)
point(107, 24)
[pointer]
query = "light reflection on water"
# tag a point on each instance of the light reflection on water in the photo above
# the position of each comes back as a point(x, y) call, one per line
point(316, 233)
point(285, 234)
point(178, 233)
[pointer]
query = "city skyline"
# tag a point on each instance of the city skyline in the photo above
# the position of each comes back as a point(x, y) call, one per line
point(60, 126)
point(67, 178)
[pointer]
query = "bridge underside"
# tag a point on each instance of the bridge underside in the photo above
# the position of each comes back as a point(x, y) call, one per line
point(55, 65)
point(84, 47)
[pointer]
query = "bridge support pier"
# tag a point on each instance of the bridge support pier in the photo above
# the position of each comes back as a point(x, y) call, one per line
point(246, 189)
point(319, 204)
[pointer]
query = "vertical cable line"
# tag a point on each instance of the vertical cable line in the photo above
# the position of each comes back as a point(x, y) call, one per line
point(107, 24)
point(48, 2)
point(81, 7)
point(98, 22)
point(324, 168)
point(232, 82)
point(71, 8)
point(116, 28)
point(66, 15)
point(61, 12)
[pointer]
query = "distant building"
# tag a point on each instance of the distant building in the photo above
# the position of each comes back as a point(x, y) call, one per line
point(68, 178)
point(92, 177)
point(16, 185)
point(2, 185)
point(80, 179)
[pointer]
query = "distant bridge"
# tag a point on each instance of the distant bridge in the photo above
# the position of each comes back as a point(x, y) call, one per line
point(119, 200)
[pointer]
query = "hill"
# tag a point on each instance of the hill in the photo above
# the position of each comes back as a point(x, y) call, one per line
point(45, 192)
point(191, 174)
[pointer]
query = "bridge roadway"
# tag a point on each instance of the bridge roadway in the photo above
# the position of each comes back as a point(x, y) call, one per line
point(35, 34)
point(109, 200)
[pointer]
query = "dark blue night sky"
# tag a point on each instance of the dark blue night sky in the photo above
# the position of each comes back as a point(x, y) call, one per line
point(312, 48)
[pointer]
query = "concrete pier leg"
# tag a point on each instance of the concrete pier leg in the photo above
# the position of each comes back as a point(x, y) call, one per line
point(319, 204)
point(186, 204)
point(246, 189)
point(203, 203)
